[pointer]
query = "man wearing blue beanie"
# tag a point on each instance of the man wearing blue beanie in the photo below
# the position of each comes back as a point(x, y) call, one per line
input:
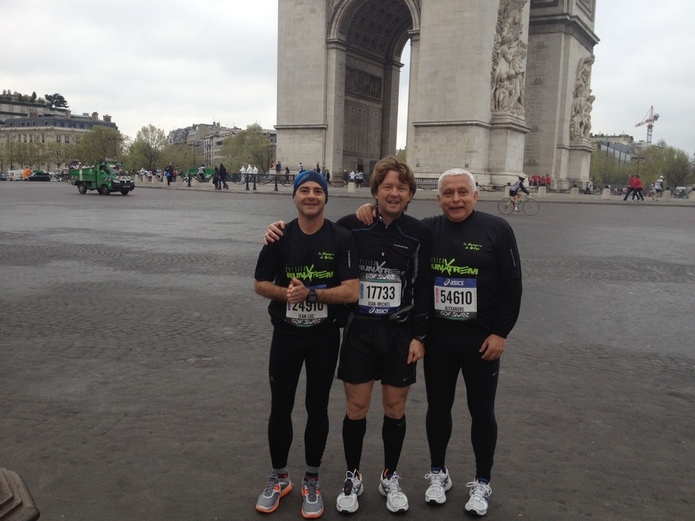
point(310, 175)
point(308, 275)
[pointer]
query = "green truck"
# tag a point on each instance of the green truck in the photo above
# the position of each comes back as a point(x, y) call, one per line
point(105, 176)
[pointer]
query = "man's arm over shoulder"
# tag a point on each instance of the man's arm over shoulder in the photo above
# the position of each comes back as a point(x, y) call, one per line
point(349, 222)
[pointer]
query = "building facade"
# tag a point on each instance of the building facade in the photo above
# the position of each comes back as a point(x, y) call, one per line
point(55, 130)
point(208, 140)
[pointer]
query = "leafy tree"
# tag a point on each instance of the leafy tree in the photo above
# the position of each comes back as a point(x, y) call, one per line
point(56, 101)
point(649, 163)
point(58, 155)
point(401, 155)
point(99, 142)
point(147, 150)
point(181, 156)
point(607, 170)
point(678, 167)
point(248, 146)
point(7, 155)
point(25, 154)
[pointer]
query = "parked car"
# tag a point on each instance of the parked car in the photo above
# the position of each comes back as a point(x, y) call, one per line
point(3, 177)
point(39, 176)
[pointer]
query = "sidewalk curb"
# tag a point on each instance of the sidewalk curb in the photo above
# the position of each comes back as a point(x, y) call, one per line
point(361, 193)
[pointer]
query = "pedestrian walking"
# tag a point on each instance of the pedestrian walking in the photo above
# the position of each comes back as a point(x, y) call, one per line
point(223, 177)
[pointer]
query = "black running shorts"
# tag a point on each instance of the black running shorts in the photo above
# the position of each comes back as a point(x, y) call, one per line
point(376, 350)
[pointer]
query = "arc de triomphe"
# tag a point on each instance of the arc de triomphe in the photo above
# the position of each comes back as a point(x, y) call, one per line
point(499, 87)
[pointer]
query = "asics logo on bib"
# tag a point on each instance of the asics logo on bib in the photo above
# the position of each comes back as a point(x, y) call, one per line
point(454, 282)
point(379, 311)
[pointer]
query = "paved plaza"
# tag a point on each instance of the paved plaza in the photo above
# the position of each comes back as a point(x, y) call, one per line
point(133, 382)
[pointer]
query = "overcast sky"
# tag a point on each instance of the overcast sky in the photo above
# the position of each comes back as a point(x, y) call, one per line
point(173, 63)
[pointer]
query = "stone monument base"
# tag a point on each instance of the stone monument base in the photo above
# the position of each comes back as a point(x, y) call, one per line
point(16, 503)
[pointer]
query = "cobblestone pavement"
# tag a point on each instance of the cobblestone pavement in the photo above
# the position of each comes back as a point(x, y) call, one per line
point(134, 361)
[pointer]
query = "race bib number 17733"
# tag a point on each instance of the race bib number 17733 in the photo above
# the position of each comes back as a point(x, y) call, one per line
point(380, 294)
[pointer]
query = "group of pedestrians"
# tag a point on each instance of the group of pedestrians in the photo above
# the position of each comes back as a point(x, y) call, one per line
point(635, 188)
point(357, 178)
point(445, 290)
point(219, 178)
point(248, 171)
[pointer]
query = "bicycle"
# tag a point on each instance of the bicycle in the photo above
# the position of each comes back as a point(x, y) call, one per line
point(526, 203)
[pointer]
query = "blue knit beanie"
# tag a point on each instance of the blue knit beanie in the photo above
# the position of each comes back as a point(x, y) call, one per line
point(310, 175)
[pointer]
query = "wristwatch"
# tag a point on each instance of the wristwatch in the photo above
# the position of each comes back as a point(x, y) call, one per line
point(421, 338)
point(313, 298)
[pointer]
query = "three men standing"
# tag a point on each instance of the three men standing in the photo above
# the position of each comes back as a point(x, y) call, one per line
point(462, 269)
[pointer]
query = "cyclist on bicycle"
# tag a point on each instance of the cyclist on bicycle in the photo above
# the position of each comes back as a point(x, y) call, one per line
point(514, 191)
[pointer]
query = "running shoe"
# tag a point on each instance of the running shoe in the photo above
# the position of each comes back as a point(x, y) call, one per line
point(347, 502)
point(479, 497)
point(396, 500)
point(312, 504)
point(440, 482)
point(276, 488)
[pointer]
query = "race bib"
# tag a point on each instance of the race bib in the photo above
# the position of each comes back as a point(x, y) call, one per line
point(306, 314)
point(455, 299)
point(380, 293)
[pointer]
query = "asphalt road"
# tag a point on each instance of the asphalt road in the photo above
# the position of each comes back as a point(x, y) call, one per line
point(134, 359)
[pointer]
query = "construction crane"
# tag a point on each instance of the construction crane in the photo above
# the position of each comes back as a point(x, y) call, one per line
point(649, 120)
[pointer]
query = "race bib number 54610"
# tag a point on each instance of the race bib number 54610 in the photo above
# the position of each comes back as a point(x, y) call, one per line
point(455, 298)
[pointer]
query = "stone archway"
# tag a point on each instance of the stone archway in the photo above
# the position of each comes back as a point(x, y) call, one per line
point(368, 37)
point(483, 75)
point(341, 110)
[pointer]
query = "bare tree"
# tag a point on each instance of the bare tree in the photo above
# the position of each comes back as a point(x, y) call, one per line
point(148, 147)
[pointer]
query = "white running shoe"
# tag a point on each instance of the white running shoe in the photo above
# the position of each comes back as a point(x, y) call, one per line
point(479, 497)
point(396, 500)
point(440, 482)
point(347, 502)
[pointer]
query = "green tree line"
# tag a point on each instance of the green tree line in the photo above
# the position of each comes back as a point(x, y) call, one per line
point(149, 150)
point(657, 160)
